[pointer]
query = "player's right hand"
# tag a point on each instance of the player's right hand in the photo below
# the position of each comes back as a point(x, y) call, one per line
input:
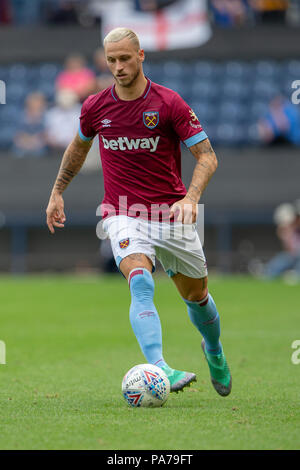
point(55, 212)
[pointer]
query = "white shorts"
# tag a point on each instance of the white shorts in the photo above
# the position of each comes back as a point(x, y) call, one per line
point(176, 245)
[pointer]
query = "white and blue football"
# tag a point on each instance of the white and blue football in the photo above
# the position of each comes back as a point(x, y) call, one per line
point(145, 385)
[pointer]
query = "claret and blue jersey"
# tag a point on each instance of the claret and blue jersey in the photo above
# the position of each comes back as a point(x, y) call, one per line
point(140, 143)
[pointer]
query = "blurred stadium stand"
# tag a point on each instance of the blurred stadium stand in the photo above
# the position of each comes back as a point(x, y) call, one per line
point(228, 82)
point(228, 97)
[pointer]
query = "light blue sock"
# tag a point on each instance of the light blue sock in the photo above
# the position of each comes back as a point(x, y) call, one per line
point(144, 318)
point(205, 317)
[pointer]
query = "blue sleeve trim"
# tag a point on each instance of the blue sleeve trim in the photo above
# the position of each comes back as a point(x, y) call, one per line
point(195, 139)
point(83, 137)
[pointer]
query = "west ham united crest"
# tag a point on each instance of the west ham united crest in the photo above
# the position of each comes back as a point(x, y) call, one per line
point(124, 243)
point(151, 119)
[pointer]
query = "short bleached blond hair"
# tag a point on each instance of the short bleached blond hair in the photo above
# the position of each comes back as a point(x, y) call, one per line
point(118, 34)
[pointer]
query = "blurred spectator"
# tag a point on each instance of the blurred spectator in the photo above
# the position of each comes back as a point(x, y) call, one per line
point(152, 5)
point(77, 77)
point(293, 13)
point(225, 12)
point(281, 123)
point(62, 11)
point(61, 122)
point(5, 11)
point(30, 138)
point(104, 77)
point(270, 11)
point(287, 220)
point(229, 12)
point(26, 12)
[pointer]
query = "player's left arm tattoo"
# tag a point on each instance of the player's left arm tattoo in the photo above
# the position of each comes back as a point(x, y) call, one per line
point(206, 166)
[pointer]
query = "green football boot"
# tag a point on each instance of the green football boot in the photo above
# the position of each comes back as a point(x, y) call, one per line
point(219, 372)
point(178, 379)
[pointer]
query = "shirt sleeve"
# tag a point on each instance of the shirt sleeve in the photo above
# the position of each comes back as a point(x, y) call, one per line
point(185, 122)
point(86, 131)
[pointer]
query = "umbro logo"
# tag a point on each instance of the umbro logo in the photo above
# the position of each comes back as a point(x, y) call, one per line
point(106, 122)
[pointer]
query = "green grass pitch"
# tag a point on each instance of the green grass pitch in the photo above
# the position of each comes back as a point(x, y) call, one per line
point(69, 343)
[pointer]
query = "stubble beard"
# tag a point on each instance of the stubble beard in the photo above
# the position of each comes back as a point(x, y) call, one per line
point(132, 81)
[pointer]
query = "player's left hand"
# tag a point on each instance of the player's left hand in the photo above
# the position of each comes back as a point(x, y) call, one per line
point(184, 211)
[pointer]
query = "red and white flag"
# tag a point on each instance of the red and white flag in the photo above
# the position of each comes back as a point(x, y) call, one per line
point(181, 25)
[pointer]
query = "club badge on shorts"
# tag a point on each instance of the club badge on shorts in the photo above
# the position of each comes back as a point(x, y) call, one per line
point(151, 119)
point(124, 243)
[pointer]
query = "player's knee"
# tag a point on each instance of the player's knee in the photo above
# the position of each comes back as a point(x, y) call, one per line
point(196, 296)
point(135, 261)
point(197, 292)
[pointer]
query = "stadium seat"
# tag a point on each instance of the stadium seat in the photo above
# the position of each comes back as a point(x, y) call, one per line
point(179, 86)
point(172, 69)
point(225, 133)
point(154, 71)
point(252, 136)
point(10, 114)
point(231, 111)
point(235, 89)
point(48, 71)
point(6, 136)
point(231, 134)
point(205, 111)
point(265, 90)
point(17, 72)
point(47, 88)
point(3, 73)
point(32, 72)
point(234, 69)
point(257, 109)
point(15, 93)
point(203, 69)
point(238, 70)
point(267, 69)
point(291, 69)
point(203, 89)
